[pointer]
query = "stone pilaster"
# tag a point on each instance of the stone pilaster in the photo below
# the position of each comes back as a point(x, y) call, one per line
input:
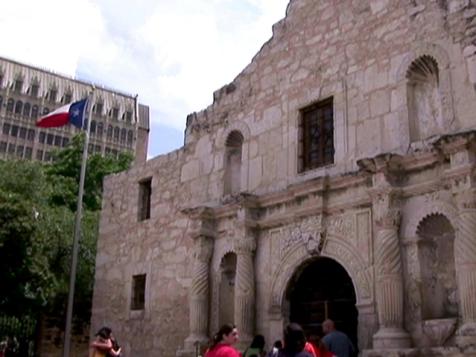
point(389, 275)
point(465, 257)
point(199, 292)
point(245, 288)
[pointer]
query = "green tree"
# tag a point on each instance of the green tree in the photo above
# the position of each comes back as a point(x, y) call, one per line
point(37, 210)
point(26, 282)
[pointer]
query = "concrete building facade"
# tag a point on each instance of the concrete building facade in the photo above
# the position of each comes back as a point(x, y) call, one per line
point(333, 178)
point(119, 123)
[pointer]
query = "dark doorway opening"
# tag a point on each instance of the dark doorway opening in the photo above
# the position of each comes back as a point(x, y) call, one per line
point(321, 290)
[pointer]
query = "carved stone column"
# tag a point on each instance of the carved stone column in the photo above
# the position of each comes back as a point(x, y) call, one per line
point(245, 288)
point(389, 275)
point(199, 292)
point(465, 258)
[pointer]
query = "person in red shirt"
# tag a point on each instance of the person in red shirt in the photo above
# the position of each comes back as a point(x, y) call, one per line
point(223, 341)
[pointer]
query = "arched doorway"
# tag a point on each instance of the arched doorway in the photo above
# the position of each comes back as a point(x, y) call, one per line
point(319, 290)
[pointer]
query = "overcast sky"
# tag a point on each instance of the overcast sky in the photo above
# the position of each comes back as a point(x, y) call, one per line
point(173, 53)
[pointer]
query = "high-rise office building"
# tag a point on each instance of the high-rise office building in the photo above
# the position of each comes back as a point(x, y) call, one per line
point(119, 123)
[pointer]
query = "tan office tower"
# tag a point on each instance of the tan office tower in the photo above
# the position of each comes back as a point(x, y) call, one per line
point(119, 123)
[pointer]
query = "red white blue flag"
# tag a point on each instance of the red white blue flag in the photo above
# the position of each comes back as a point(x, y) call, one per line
point(72, 113)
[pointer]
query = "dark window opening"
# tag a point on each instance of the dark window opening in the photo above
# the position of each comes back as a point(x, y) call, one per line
point(316, 136)
point(10, 105)
point(145, 193)
point(52, 95)
point(67, 98)
point(138, 292)
point(18, 107)
point(34, 90)
point(18, 85)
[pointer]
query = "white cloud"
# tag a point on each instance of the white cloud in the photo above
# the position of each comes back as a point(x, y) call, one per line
point(174, 54)
point(52, 33)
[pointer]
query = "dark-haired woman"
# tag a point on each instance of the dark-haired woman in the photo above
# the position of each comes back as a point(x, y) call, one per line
point(223, 341)
point(294, 342)
point(256, 348)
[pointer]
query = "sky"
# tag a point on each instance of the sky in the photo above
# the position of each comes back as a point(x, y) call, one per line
point(173, 53)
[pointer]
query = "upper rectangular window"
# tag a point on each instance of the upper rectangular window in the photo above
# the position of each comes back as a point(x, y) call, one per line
point(115, 113)
point(67, 98)
point(52, 95)
point(316, 135)
point(18, 85)
point(34, 90)
point(145, 193)
point(98, 108)
point(138, 292)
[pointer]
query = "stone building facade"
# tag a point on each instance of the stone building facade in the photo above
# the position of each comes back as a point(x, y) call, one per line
point(119, 123)
point(334, 177)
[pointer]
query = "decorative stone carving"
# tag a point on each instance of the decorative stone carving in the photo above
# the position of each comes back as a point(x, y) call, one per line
point(199, 292)
point(245, 288)
point(439, 330)
point(307, 232)
point(465, 256)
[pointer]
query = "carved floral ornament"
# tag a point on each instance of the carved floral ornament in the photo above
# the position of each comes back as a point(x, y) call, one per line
point(308, 232)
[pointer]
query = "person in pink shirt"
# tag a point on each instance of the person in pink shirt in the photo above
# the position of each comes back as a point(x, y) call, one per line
point(223, 341)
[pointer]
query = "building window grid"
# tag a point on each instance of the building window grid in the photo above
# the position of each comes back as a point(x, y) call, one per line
point(317, 135)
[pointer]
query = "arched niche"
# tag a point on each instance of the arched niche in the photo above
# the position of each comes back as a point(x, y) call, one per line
point(425, 111)
point(437, 267)
point(424, 84)
point(226, 289)
point(233, 162)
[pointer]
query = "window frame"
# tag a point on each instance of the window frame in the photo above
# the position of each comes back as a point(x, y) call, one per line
point(316, 122)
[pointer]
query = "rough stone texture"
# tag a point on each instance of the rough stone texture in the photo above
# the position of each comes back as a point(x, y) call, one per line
point(368, 211)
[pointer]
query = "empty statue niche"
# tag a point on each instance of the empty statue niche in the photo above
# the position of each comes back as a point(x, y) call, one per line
point(233, 152)
point(437, 266)
point(424, 100)
point(227, 288)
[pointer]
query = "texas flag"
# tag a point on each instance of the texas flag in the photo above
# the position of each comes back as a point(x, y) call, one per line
point(71, 113)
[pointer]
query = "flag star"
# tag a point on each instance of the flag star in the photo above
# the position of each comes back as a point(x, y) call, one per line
point(75, 113)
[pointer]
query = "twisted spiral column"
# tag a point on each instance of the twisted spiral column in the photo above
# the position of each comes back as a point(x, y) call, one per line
point(199, 292)
point(245, 289)
point(465, 257)
point(389, 292)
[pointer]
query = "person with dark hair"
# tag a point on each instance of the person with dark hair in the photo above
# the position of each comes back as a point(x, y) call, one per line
point(337, 342)
point(102, 346)
point(294, 342)
point(277, 345)
point(256, 348)
point(223, 341)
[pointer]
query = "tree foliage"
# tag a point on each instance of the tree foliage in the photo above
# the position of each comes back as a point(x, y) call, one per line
point(37, 210)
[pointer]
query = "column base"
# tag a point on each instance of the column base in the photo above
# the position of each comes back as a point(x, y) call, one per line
point(192, 345)
point(391, 338)
point(404, 352)
point(466, 337)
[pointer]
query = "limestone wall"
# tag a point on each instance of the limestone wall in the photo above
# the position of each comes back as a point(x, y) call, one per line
point(356, 51)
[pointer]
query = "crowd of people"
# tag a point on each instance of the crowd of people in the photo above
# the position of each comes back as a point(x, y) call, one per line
point(334, 343)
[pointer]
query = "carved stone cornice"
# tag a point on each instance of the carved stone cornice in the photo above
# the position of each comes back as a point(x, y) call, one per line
point(386, 169)
point(202, 222)
point(453, 143)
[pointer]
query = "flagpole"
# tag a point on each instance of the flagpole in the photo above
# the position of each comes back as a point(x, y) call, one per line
point(77, 233)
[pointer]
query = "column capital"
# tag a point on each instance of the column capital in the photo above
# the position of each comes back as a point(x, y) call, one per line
point(245, 245)
point(202, 222)
point(203, 249)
